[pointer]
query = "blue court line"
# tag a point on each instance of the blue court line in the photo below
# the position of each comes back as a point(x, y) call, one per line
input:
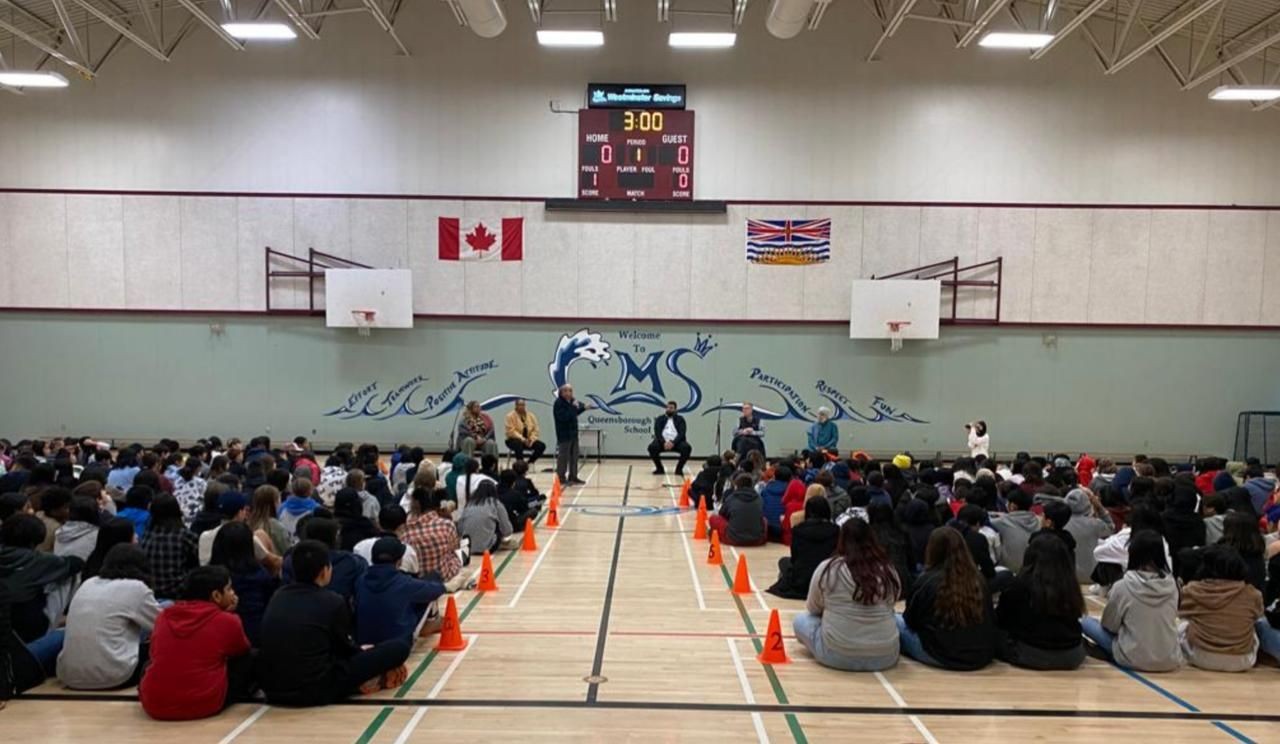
point(1157, 688)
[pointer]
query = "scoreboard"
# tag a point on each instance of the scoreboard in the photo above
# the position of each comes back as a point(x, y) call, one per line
point(635, 154)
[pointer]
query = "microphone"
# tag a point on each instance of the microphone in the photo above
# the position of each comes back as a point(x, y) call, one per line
point(719, 414)
point(453, 431)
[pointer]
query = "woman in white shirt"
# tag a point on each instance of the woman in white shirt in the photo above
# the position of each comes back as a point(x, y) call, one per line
point(979, 441)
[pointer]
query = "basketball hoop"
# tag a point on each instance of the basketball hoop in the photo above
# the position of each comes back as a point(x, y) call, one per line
point(364, 320)
point(895, 333)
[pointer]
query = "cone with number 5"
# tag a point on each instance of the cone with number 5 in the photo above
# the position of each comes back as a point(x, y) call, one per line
point(775, 649)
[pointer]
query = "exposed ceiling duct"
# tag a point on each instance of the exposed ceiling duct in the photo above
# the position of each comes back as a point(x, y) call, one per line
point(485, 17)
point(788, 17)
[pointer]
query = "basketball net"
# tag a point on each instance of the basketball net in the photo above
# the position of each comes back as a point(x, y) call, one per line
point(364, 320)
point(895, 333)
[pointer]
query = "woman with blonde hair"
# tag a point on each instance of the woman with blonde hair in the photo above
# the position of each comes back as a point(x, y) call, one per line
point(262, 517)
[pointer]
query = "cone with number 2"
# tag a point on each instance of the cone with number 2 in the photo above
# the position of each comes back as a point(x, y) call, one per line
point(553, 512)
point(700, 527)
point(775, 650)
point(451, 630)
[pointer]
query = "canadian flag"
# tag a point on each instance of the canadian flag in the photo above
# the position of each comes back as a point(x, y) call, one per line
point(476, 241)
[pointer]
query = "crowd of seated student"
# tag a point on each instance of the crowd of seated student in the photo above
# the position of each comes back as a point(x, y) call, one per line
point(125, 575)
point(991, 559)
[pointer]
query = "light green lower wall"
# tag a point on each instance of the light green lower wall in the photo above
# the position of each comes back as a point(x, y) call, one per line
point(143, 377)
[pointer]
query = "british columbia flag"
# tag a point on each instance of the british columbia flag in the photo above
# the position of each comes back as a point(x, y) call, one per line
point(788, 242)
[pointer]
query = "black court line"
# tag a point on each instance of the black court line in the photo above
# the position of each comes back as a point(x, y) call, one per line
point(840, 710)
point(593, 691)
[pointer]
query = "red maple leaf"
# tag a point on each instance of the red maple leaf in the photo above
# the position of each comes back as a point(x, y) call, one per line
point(480, 239)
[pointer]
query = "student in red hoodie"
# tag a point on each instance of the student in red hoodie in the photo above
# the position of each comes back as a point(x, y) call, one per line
point(200, 661)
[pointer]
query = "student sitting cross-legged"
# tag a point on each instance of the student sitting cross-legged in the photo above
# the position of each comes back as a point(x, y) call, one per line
point(200, 660)
point(1039, 613)
point(391, 604)
point(849, 623)
point(1219, 609)
point(308, 656)
point(741, 519)
point(948, 621)
point(1139, 626)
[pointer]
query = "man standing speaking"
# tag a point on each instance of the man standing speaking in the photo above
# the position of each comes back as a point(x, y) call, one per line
point(566, 412)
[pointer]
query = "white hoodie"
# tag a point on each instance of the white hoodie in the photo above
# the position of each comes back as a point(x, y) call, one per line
point(1115, 549)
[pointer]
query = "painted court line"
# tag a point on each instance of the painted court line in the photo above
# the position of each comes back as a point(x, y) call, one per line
point(546, 547)
point(593, 690)
point(756, 719)
point(407, 731)
point(245, 724)
point(755, 588)
point(1179, 701)
point(897, 700)
point(688, 554)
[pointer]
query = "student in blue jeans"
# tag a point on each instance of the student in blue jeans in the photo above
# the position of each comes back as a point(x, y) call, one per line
point(949, 621)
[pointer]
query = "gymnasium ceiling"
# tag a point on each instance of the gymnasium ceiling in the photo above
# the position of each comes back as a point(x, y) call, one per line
point(1201, 43)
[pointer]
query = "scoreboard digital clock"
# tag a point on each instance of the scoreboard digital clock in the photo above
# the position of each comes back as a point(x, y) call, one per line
point(635, 154)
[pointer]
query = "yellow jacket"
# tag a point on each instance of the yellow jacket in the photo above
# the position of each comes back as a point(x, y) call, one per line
point(515, 427)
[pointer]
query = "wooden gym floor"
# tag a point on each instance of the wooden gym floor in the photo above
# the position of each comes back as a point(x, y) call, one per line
point(621, 595)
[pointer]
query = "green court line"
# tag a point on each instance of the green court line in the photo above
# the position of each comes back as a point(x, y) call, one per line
point(793, 723)
point(372, 729)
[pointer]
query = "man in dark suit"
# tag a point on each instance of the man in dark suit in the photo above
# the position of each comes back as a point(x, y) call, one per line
point(565, 413)
point(669, 436)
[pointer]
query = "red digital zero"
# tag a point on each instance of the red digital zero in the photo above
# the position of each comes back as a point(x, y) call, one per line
point(635, 154)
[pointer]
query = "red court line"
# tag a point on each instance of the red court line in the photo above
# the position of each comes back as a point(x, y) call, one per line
point(633, 633)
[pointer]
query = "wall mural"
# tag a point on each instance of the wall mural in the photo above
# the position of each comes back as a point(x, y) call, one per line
point(646, 378)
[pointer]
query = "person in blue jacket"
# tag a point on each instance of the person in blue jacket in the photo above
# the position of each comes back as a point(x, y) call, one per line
point(390, 604)
point(824, 437)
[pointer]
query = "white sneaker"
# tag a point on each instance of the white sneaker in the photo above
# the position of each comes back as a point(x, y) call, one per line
point(1098, 590)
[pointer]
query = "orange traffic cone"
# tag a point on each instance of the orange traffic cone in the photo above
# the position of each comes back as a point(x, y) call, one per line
point(553, 513)
point(713, 555)
point(702, 507)
point(556, 488)
point(529, 542)
point(700, 527)
point(451, 630)
point(774, 651)
point(488, 582)
point(742, 579)
point(684, 494)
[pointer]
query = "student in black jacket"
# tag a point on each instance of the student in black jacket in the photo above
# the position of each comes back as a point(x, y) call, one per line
point(812, 542)
point(308, 656)
point(948, 622)
point(669, 436)
point(1039, 614)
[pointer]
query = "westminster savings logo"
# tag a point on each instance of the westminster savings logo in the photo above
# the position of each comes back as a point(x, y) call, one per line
point(792, 405)
point(422, 398)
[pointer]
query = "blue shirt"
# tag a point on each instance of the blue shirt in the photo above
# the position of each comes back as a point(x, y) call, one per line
point(824, 435)
point(141, 518)
point(122, 478)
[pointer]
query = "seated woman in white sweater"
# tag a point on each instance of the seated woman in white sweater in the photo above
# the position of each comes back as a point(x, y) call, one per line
point(110, 617)
point(849, 623)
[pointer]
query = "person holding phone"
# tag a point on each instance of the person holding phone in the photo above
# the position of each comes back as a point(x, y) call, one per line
point(979, 440)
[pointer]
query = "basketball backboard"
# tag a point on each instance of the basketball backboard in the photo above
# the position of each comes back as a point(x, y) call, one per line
point(387, 292)
point(912, 304)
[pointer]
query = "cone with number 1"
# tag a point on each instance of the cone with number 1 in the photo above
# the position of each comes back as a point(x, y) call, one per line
point(684, 494)
point(553, 512)
point(713, 555)
point(742, 579)
point(451, 630)
point(775, 650)
point(487, 582)
point(700, 527)
point(530, 542)
point(556, 488)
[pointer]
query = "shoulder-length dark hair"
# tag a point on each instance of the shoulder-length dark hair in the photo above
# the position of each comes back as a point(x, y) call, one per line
point(126, 561)
point(1240, 531)
point(1049, 570)
point(962, 595)
point(874, 577)
point(115, 531)
point(233, 548)
point(166, 514)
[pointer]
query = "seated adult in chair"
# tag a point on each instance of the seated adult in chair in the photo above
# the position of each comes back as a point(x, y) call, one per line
point(749, 434)
point(475, 431)
point(669, 436)
point(522, 433)
point(823, 436)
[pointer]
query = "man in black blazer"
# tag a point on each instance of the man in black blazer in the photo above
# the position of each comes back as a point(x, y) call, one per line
point(668, 436)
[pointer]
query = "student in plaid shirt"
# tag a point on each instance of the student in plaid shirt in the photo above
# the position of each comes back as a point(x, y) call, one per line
point(170, 547)
point(434, 537)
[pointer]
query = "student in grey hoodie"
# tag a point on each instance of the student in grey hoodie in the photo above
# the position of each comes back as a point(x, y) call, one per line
point(78, 535)
point(1090, 523)
point(1016, 529)
point(1139, 627)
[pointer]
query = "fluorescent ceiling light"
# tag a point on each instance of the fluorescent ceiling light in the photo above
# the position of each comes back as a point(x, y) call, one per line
point(1014, 40)
point(30, 79)
point(549, 37)
point(1245, 93)
point(254, 31)
point(701, 39)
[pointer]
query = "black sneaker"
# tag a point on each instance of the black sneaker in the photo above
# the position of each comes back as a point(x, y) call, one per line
point(679, 471)
point(577, 482)
point(660, 471)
